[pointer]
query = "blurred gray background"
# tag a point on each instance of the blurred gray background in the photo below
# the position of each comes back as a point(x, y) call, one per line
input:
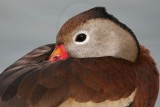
point(27, 24)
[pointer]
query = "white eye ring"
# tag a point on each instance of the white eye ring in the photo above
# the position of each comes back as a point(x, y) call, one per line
point(82, 42)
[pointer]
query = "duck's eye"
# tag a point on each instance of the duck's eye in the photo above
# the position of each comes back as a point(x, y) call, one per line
point(81, 37)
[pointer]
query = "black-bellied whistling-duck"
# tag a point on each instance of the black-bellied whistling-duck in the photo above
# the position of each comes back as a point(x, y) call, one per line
point(96, 62)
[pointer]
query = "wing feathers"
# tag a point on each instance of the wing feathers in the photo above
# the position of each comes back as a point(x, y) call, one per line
point(53, 75)
point(110, 82)
point(36, 94)
point(11, 90)
point(27, 85)
point(12, 77)
point(12, 81)
point(54, 97)
point(45, 84)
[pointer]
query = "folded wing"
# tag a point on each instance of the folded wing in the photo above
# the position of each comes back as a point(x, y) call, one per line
point(35, 81)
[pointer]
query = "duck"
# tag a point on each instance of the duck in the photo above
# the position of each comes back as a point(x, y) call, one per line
point(96, 61)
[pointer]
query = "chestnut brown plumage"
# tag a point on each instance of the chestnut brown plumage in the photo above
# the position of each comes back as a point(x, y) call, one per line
point(33, 81)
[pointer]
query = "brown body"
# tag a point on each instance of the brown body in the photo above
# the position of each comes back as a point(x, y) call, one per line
point(35, 81)
point(108, 69)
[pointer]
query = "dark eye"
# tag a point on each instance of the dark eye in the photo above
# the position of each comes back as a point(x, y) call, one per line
point(81, 37)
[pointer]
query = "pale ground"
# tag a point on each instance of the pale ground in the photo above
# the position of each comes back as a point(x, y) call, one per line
point(27, 24)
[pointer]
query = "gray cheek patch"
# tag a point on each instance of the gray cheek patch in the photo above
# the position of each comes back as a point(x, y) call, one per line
point(105, 39)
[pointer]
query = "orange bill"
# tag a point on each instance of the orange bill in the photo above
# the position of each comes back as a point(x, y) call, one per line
point(58, 54)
